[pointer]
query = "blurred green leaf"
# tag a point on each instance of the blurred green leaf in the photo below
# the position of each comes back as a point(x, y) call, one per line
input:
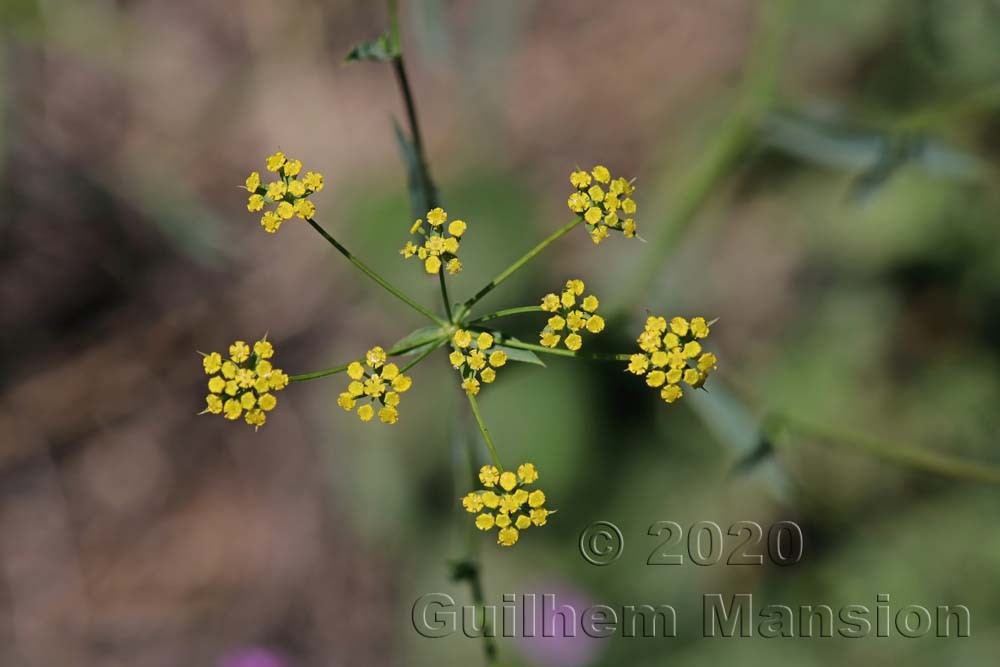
point(419, 340)
point(380, 49)
point(423, 196)
point(878, 154)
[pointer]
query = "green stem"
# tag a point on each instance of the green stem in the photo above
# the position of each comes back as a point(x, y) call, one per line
point(485, 431)
point(318, 374)
point(374, 276)
point(558, 351)
point(394, 352)
point(506, 312)
point(907, 455)
point(510, 270)
point(424, 184)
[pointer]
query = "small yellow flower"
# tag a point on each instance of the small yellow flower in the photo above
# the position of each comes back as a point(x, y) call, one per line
point(567, 315)
point(549, 339)
point(378, 382)
point(276, 191)
point(313, 181)
point(375, 357)
point(274, 162)
point(462, 338)
point(243, 384)
point(699, 327)
point(305, 209)
point(601, 174)
point(672, 346)
point(579, 179)
point(638, 363)
point(287, 194)
point(595, 324)
point(472, 502)
point(671, 393)
point(706, 362)
point(473, 359)
point(578, 202)
point(437, 216)
point(489, 476)
point(526, 473)
point(440, 247)
point(508, 481)
point(600, 206)
point(212, 362)
point(679, 326)
point(513, 512)
point(253, 181)
point(239, 352)
point(507, 536)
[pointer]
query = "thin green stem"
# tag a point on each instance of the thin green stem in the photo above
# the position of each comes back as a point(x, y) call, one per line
point(485, 432)
point(424, 184)
point(374, 276)
point(510, 270)
point(558, 351)
point(394, 352)
point(507, 312)
point(318, 374)
point(903, 454)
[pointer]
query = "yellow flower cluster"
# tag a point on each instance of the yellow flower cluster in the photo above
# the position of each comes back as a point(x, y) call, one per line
point(570, 316)
point(514, 510)
point(671, 353)
point(472, 358)
point(440, 247)
point(603, 202)
point(380, 382)
point(288, 193)
point(244, 383)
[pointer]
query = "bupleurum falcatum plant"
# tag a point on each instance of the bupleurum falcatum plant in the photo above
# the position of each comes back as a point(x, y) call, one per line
point(507, 501)
point(671, 355)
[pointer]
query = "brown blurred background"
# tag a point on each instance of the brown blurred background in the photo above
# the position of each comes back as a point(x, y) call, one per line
point(850, 252)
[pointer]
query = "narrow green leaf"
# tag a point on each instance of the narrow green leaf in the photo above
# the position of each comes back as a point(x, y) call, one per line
point(420, 199)
point(517, 354)
point(419, 340)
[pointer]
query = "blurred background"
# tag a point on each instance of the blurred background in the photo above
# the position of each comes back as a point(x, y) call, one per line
point(822, 176)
